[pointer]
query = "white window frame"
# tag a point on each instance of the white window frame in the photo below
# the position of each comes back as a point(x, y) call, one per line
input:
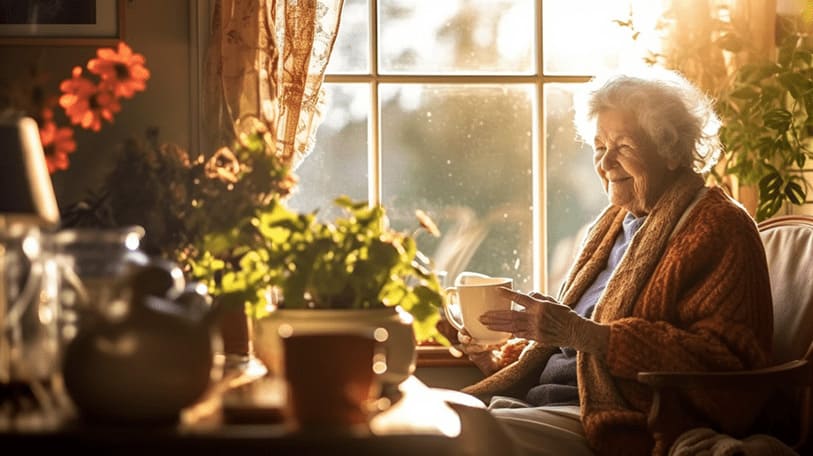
point(538, 161)
point(200, 17)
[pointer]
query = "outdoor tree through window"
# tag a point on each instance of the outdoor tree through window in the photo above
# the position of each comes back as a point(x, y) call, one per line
point(462, 108)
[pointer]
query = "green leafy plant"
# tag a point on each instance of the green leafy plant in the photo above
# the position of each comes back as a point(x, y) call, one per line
point(180, 198)
point(354, 262)
point(767, 117)
point(764, 98)
point(223, 219)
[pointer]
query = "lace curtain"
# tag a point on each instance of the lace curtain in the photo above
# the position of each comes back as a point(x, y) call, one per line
point(266, 62)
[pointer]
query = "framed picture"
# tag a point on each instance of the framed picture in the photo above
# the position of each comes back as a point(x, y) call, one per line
point(61, 22)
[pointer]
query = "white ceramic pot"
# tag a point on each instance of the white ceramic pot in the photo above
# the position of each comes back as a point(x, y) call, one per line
point(399, 346)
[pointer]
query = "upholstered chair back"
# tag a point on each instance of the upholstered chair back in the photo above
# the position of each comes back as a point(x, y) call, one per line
point(788, 242)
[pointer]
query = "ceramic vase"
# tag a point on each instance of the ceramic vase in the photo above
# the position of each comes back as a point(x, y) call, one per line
point(399, 346)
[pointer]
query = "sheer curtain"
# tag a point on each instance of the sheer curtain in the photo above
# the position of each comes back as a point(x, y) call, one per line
point(265, 65)
point(266, 62)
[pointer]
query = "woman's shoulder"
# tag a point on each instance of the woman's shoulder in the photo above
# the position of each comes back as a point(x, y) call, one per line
point(716, 202)
point(716, 213)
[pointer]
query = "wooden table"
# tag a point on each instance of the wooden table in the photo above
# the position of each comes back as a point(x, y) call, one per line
point(228, 421)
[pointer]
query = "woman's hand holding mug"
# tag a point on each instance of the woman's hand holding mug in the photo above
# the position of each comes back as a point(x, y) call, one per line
point(469, 299)
point(484, 356)
point(548, 322)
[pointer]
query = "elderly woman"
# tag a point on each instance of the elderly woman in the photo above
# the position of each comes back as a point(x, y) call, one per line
point(671, 277)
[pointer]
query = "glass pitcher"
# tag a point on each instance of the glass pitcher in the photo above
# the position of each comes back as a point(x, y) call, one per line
point(91, 263)
point(29, 346)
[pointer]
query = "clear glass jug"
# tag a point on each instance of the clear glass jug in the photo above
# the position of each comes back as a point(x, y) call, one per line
point(29, 310)
point(91, 263)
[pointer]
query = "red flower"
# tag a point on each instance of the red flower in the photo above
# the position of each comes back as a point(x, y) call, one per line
point(85, 103)
point(57, 142)
point(122, 72)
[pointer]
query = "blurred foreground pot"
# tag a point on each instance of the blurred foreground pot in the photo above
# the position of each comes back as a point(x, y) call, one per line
point(235, 328)
point(399, 346)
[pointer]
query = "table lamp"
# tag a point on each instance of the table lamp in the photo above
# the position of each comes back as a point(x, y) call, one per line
point(26, 192)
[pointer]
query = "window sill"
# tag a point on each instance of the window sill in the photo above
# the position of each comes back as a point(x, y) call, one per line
point(435, 356)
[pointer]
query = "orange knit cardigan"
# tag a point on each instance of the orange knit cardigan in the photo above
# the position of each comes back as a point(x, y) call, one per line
point(692, 294)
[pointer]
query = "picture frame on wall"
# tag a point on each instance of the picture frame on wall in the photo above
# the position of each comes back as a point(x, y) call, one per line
point(61, 22)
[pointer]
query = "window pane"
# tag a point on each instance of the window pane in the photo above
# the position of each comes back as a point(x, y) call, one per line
point(338, 163)
point(456, 36)
point(575, 195)
point(351, 49)
point(578, 43)
point(463, 155)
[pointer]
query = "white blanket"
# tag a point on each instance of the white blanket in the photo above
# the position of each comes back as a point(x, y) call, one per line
point(707, 442)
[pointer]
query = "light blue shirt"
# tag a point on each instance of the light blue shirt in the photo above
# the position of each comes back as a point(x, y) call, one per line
point(557, 383)
point(590, 297)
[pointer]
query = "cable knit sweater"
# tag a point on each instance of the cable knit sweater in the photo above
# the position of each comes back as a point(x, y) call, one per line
point(691, 294)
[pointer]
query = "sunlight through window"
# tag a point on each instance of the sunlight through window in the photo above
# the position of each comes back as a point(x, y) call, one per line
point(450, 122)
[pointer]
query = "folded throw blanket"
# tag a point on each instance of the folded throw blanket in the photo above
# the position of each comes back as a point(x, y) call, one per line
point(708, 442)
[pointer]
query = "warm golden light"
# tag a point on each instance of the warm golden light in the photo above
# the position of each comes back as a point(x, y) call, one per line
point(598, 43)
point(420, 411)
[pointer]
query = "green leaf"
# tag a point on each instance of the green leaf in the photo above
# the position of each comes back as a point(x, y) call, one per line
point(233, 282)
point(745, 73)
point(778, 119)
point(802, 57)
point(383, 255)
point(425, 327)
point(796, 84)
point(801, 158)
point(795, 193)
point(394, 294)
point(734, 168)
point(752, 74)
point(785, 54)
point(768, 207)
point(346, 202)
point(217, 243)
point(745, 92)
point(428, 297)
point(254, 265)
point(770, 185)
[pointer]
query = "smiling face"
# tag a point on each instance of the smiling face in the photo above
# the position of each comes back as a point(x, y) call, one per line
point(633, 174)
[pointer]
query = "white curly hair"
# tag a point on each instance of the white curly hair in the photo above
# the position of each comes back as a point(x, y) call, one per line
point(675, 115)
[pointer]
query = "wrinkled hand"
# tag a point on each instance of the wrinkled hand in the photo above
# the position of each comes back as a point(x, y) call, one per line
point(485, 357)
point(546, 321)
point(469, 347)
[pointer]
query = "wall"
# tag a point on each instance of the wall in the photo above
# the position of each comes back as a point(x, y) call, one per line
point(170, 34)
point(158, 29)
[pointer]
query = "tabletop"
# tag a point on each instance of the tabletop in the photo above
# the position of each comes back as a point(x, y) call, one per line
point(244, 411)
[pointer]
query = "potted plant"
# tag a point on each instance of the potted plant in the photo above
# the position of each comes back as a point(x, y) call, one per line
point(224, 220)
point(291, 267)
point(766, 130)
point(763, 93)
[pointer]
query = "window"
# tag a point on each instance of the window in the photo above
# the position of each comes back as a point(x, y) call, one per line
point(462, 108)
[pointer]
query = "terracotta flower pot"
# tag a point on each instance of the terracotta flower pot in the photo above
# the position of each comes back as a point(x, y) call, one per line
point(331, 378)
point(399, 346)
point(235, 329)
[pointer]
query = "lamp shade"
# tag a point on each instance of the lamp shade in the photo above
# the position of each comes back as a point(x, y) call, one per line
point(26, 192)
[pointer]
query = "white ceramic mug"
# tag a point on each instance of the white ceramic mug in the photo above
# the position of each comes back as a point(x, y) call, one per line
point(473, 295)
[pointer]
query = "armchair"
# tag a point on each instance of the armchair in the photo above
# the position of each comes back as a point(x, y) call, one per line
point(788, 242)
